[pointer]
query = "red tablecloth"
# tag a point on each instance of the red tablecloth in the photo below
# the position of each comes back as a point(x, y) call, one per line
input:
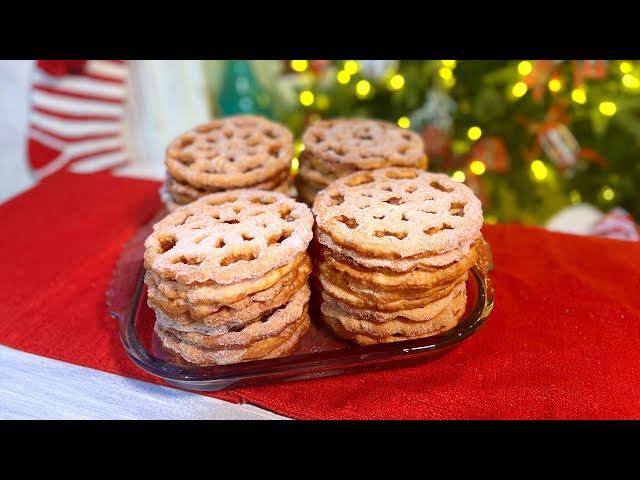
point(563, 340)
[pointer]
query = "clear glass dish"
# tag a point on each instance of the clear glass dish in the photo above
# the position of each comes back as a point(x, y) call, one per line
point(319, 354)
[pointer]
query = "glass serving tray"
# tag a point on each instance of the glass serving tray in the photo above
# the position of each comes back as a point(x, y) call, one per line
point(320, 353)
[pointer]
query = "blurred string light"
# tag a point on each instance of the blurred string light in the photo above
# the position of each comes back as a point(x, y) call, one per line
point(451, 64)
point(607, 193)
point(525, 67)
point(555, 85)
point(404, 122)
point(578, 95)
point(575, 196)
point(449, 82)
point(539, 169)
point(519, 89)
point(459, 176)
point(490, 219)
point(460, 147)
point(445, 73)
point(299, 65)
point(630, 81)
point(295, 163)
point(343, 77)
point(363, 87)
point(607, 108)
point(323, 102)
point(477, 167)
point(396, 82)
point(351, 67)
point(474, 133)
point(307, 98)
point(626, 67)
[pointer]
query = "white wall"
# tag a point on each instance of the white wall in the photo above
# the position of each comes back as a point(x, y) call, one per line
point(165, 98)
point(15, 86)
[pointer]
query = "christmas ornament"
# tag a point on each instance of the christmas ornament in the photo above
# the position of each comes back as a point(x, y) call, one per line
point(492, 152)
point(588, 69)
point(240, 92)
point(537, 79)
point(318, 67)
point(437, 111)
point(376, 69)
point(436, 141)
point(560, 145)
point(617, 224)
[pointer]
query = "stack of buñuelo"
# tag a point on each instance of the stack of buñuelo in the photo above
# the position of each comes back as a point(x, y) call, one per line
point(227, 276)
point(242, 151)
point(335, 148)
point(393, 249)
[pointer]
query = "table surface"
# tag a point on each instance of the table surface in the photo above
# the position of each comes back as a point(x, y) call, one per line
point(35, 387)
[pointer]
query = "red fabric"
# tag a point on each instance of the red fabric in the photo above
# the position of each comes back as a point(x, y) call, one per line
point(60, 68)
point(563, 340)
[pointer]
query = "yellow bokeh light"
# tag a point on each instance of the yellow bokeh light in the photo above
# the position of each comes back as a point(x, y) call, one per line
point(299, 65)
point(323, 102)
point(626, 67)
point(608, 194)
point(459, 176)
point(630, 81)
point(363, 87)
point(474, 133)
point(578, 95)
point(351, 67)
point(555, 85)
point(445, 73)
point(607, 108)
point(449, 63)
point(460, 147)
point(449, 82)
point(575, 196)
point(490, 219)
point(307, 98)
point(396, 82)
point(519, 89)
point(299, 146)
point(295, 165)
point(343, 77)
point(404, 122)
point(525, 67)
point(477, 167)
point(539, 169)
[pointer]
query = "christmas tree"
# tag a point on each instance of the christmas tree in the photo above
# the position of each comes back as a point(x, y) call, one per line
point(529, 136)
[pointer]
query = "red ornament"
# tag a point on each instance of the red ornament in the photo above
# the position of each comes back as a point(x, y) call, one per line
point(537, 79)
point(588, 69)
point(318, 66)
point(60, 68)
point(492, 152)
point(437, 141)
